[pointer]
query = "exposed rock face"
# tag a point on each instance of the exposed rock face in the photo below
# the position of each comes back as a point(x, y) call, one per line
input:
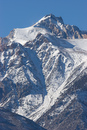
point(0, 40)
point(57, 27)
point(11, 121)
point(73, 31)
point(84, 34)
point(11, 35)
point(74, 116)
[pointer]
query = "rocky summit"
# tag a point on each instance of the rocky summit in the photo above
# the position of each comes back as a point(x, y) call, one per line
point(43, 74)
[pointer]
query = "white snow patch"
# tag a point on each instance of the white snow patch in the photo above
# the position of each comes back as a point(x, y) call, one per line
point(24, 35)
point(79, 43)
point(29, 103)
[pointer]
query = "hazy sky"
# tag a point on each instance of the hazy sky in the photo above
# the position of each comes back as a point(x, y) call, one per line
point(24, 13)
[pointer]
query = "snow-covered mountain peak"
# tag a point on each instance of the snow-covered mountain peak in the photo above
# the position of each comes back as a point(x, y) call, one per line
point(40, 70)
point(52, 18)
point(58, 19)
point(48, 24)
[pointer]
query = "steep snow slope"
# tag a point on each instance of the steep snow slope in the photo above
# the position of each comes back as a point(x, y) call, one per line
point(70, 109)
point(36, 66)
point(79, 43)
point(27, 34)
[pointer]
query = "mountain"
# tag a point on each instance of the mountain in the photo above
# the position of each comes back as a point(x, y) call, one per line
point(11, 121)
point(43, 71)
point(48, 24)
